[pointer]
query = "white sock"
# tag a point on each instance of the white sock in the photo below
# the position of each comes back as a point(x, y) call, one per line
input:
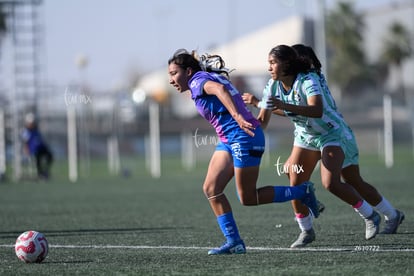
point(363, 209)
point(305, 223)
point(384, 207)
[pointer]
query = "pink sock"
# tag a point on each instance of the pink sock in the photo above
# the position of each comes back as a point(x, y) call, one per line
point(299, 215)
point(358, 204)
point(363, 209)
point(304, 222)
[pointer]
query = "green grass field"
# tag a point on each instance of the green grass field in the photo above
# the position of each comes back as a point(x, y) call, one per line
point(107, 225)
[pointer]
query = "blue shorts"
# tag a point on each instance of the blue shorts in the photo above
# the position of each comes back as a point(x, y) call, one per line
point(246, 150)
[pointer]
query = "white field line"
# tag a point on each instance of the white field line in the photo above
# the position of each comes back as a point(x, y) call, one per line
point(311, 249)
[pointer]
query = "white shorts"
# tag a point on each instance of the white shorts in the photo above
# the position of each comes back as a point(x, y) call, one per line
point(343, 138)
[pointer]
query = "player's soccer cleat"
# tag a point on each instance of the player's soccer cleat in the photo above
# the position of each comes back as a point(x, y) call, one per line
point(229, 248)
point(321, 206)
point(372, 225)
point(305, 237)
point(310, 199)
point(391, 225)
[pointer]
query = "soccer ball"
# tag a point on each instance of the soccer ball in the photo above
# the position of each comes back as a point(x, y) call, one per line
point(31, 247)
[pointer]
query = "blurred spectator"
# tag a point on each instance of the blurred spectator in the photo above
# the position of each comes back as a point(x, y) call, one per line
point(36, 147)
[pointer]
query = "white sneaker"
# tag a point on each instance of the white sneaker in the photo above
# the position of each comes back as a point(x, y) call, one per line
point(372, 225)
point(305, 237)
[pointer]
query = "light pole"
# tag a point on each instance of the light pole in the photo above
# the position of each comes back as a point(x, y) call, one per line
point(388, 135)
point(82, 63)
point(72, 143)
point(2, 146)
point(154, 138)
point(153, 155)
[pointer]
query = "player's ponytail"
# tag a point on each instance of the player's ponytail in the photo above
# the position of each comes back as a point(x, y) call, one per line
point(213, 63)
point(308, 57)
point(205, 62)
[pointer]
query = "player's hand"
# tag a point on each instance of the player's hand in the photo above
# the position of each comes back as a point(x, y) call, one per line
point(276, 103)
point(250, 99)
point(245, 125)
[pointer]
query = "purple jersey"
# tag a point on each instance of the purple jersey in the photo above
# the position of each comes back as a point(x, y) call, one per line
point(211, 108)
point(34, 140)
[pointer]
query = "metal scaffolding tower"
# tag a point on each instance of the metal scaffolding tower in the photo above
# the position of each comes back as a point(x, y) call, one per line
point(25, 29)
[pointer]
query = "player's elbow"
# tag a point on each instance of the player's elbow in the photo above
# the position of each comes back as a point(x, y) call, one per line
point(221, 89)
point(263, 122)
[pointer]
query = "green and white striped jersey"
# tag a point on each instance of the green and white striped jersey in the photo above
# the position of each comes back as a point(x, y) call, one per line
point(305, 86)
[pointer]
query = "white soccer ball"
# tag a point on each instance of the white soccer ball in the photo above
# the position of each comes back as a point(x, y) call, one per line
point(31, 247)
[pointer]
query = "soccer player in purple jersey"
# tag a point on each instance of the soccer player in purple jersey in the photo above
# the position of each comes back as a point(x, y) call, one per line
point(241, 144)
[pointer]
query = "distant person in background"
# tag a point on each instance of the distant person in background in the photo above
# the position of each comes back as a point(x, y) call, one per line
point(241, 144)
point(36, 147)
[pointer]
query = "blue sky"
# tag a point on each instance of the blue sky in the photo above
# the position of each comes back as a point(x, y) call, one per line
point(119, 37)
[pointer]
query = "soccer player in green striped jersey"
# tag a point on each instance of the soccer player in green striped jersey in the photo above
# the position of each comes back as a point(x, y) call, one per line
point(297, 89)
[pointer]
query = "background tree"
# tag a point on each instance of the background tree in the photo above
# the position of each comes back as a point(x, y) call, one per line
point(397, 48)
point(3, 29)
point(2, 22)
point(347, 66)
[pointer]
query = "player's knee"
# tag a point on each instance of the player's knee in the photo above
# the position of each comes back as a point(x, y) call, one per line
point(211, 191)
point(208, 191)
point(330, 185)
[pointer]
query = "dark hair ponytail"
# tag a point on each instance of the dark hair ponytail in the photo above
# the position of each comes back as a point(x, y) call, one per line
point(185, 60)
point(308, 57)
point(205, 62)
